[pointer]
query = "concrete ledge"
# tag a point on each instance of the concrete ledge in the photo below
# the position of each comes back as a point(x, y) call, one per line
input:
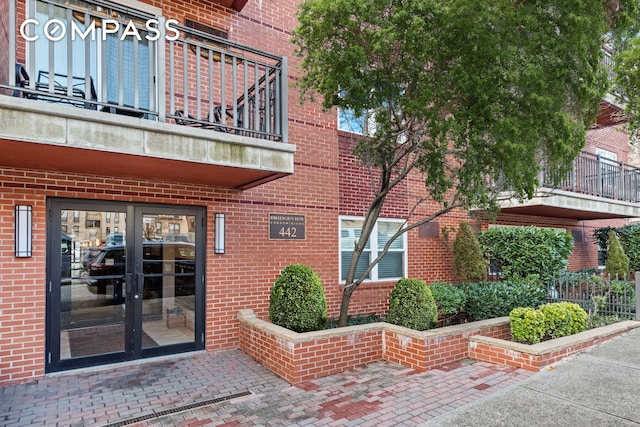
point(249, 317)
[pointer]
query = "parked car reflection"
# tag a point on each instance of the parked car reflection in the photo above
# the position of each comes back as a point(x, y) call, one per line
point(161, 260)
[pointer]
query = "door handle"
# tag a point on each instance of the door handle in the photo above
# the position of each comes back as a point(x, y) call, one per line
point(128, 280)
point(140, 283)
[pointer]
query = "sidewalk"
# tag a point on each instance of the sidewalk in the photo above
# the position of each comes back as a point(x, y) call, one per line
point(596, 388)
point(600, 387)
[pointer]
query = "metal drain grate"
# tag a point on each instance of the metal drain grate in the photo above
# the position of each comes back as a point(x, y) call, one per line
point(157, 414)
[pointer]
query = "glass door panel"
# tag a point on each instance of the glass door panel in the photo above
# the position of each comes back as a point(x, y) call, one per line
point(125, 281)
point(169, 279)
point(93, 272)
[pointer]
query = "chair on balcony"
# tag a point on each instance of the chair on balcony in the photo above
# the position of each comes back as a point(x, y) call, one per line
point(60, 93)
point(22, 81)
point(192, 121)
point(113, 109)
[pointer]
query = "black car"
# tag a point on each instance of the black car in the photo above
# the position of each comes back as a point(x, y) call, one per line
point(160, 260)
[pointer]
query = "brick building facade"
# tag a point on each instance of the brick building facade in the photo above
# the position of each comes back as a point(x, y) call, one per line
point(166, 178)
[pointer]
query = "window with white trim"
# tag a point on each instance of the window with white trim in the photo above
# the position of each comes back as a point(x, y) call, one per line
point(349, 121)
point(392, 266)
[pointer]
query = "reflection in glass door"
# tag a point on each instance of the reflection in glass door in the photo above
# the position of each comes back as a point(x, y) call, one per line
point(93, 268)
point(168, 276)
point(124, 282)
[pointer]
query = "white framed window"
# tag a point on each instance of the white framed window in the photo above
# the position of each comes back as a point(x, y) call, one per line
point(392, 266)
point(606, 154)
point(349, 121)
point(602, 255)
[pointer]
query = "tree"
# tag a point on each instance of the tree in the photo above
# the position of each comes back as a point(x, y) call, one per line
point(463, 93)
point(627, 77)
point(469, 261)
point(617, 260)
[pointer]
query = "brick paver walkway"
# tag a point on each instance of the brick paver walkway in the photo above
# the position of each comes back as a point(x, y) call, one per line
point(378, 394)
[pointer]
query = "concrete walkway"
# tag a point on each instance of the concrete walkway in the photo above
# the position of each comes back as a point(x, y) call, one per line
point(600, 387)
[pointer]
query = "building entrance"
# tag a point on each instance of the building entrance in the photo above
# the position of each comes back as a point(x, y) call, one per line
point(124, 281)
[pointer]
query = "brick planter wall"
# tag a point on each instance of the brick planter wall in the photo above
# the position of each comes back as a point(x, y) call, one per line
point(305, 356)
point(301, 357)
point(426, 350)
point(535, 357)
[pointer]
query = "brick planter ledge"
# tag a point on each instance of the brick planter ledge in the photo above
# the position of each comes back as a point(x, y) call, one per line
point(537, 356)
point(298, 357)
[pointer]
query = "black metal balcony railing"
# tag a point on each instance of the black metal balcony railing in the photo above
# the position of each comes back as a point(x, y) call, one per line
point(115, 63)
point(598, 176)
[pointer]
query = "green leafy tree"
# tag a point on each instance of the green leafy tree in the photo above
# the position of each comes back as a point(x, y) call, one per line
point(468, 257)
point(617, 260)
point(627, 78)
point(462, 92)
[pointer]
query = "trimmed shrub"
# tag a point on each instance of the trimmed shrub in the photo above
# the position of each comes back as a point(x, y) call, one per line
point(487, 300)
point(297, 300)
point(527, 325)
point(549, 321)
point(579, 317)
point(468, 257)
point(617, 261)
point(449, 298)
point(557, 320)
point(527, 250)
point(411, 305)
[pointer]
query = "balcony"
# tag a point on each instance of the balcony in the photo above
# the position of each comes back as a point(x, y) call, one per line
point(595, 188)
point(116, 95)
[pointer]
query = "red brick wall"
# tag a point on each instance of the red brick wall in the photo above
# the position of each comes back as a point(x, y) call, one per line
point(315, 357)
point(425, 354)
point(303, 357)
point(327, 183)
point(610, 138)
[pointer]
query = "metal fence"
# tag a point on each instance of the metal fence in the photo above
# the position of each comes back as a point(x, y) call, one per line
point(598, 294)
point(597, 176)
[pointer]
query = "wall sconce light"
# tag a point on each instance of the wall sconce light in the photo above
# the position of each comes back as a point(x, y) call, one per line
point(219, 237)
point(23, 231)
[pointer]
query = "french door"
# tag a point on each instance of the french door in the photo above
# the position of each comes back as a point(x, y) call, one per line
point(124, 282)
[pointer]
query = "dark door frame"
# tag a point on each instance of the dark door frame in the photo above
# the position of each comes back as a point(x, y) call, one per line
point(133, 315)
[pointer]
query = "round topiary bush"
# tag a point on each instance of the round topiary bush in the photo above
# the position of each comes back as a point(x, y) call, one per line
point(553, 320)
point(411, 305)
point(297, 300)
